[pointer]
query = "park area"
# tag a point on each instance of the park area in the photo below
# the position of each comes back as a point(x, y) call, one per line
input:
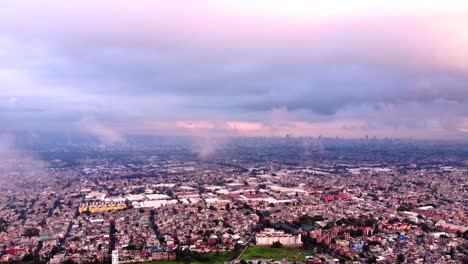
point(289, 253)
point(254, 252)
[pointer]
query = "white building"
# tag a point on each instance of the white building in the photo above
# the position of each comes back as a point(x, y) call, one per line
point(269, 236)
point(115, 256)
point(153, 203)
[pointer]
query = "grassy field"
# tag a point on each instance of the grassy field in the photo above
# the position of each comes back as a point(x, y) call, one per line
point(213, 258)
point(290, 253)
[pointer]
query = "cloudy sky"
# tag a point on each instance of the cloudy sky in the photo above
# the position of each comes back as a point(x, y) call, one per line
point(246, 67)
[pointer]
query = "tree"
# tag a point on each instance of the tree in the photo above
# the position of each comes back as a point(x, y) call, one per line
point(365, 248)
point(425, 227)
point(131, 247)
point(277, 244)
point(235, 253)
point(359, 232)
point(400, 258)
point(31, 232)
point(43, 222)
point(186, 256)
point(370, 222)
point(28, 257)
point(170, 193)
point(55, 250)
point(3, 225)
point(56, 203)
point(329, 225)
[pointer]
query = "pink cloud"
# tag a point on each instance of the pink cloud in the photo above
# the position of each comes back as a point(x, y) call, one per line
point(398, 32)
point(194, 124)
point(243, 127)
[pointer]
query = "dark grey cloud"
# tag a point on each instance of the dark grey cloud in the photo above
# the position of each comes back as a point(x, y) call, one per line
point(254, 85)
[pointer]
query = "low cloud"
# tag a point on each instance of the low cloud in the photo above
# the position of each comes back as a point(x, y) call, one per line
point(16, 162)
point(106, 135)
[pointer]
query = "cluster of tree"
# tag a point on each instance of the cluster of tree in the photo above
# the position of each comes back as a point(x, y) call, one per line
point(308, 220)
point(23, 215)
point(329, 225)
point(31, 232)
point(42, 223)
point(236, 251)
point(464, 235)
point(276, 244)
point(400, 258)
point(426, 228)
point(3, 225)
point(188, 255)
point(355, 233)
point(138, 190)
point(309, 243)
point(55, 250)
point(405, 207)
point(57, 203)
point(131, 247)
point(104, 261)
point(170, 194)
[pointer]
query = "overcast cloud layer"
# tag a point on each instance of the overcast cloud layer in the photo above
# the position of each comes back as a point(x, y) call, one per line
point(253, 68)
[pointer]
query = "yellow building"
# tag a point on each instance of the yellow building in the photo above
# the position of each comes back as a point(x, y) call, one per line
point(96, 207)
